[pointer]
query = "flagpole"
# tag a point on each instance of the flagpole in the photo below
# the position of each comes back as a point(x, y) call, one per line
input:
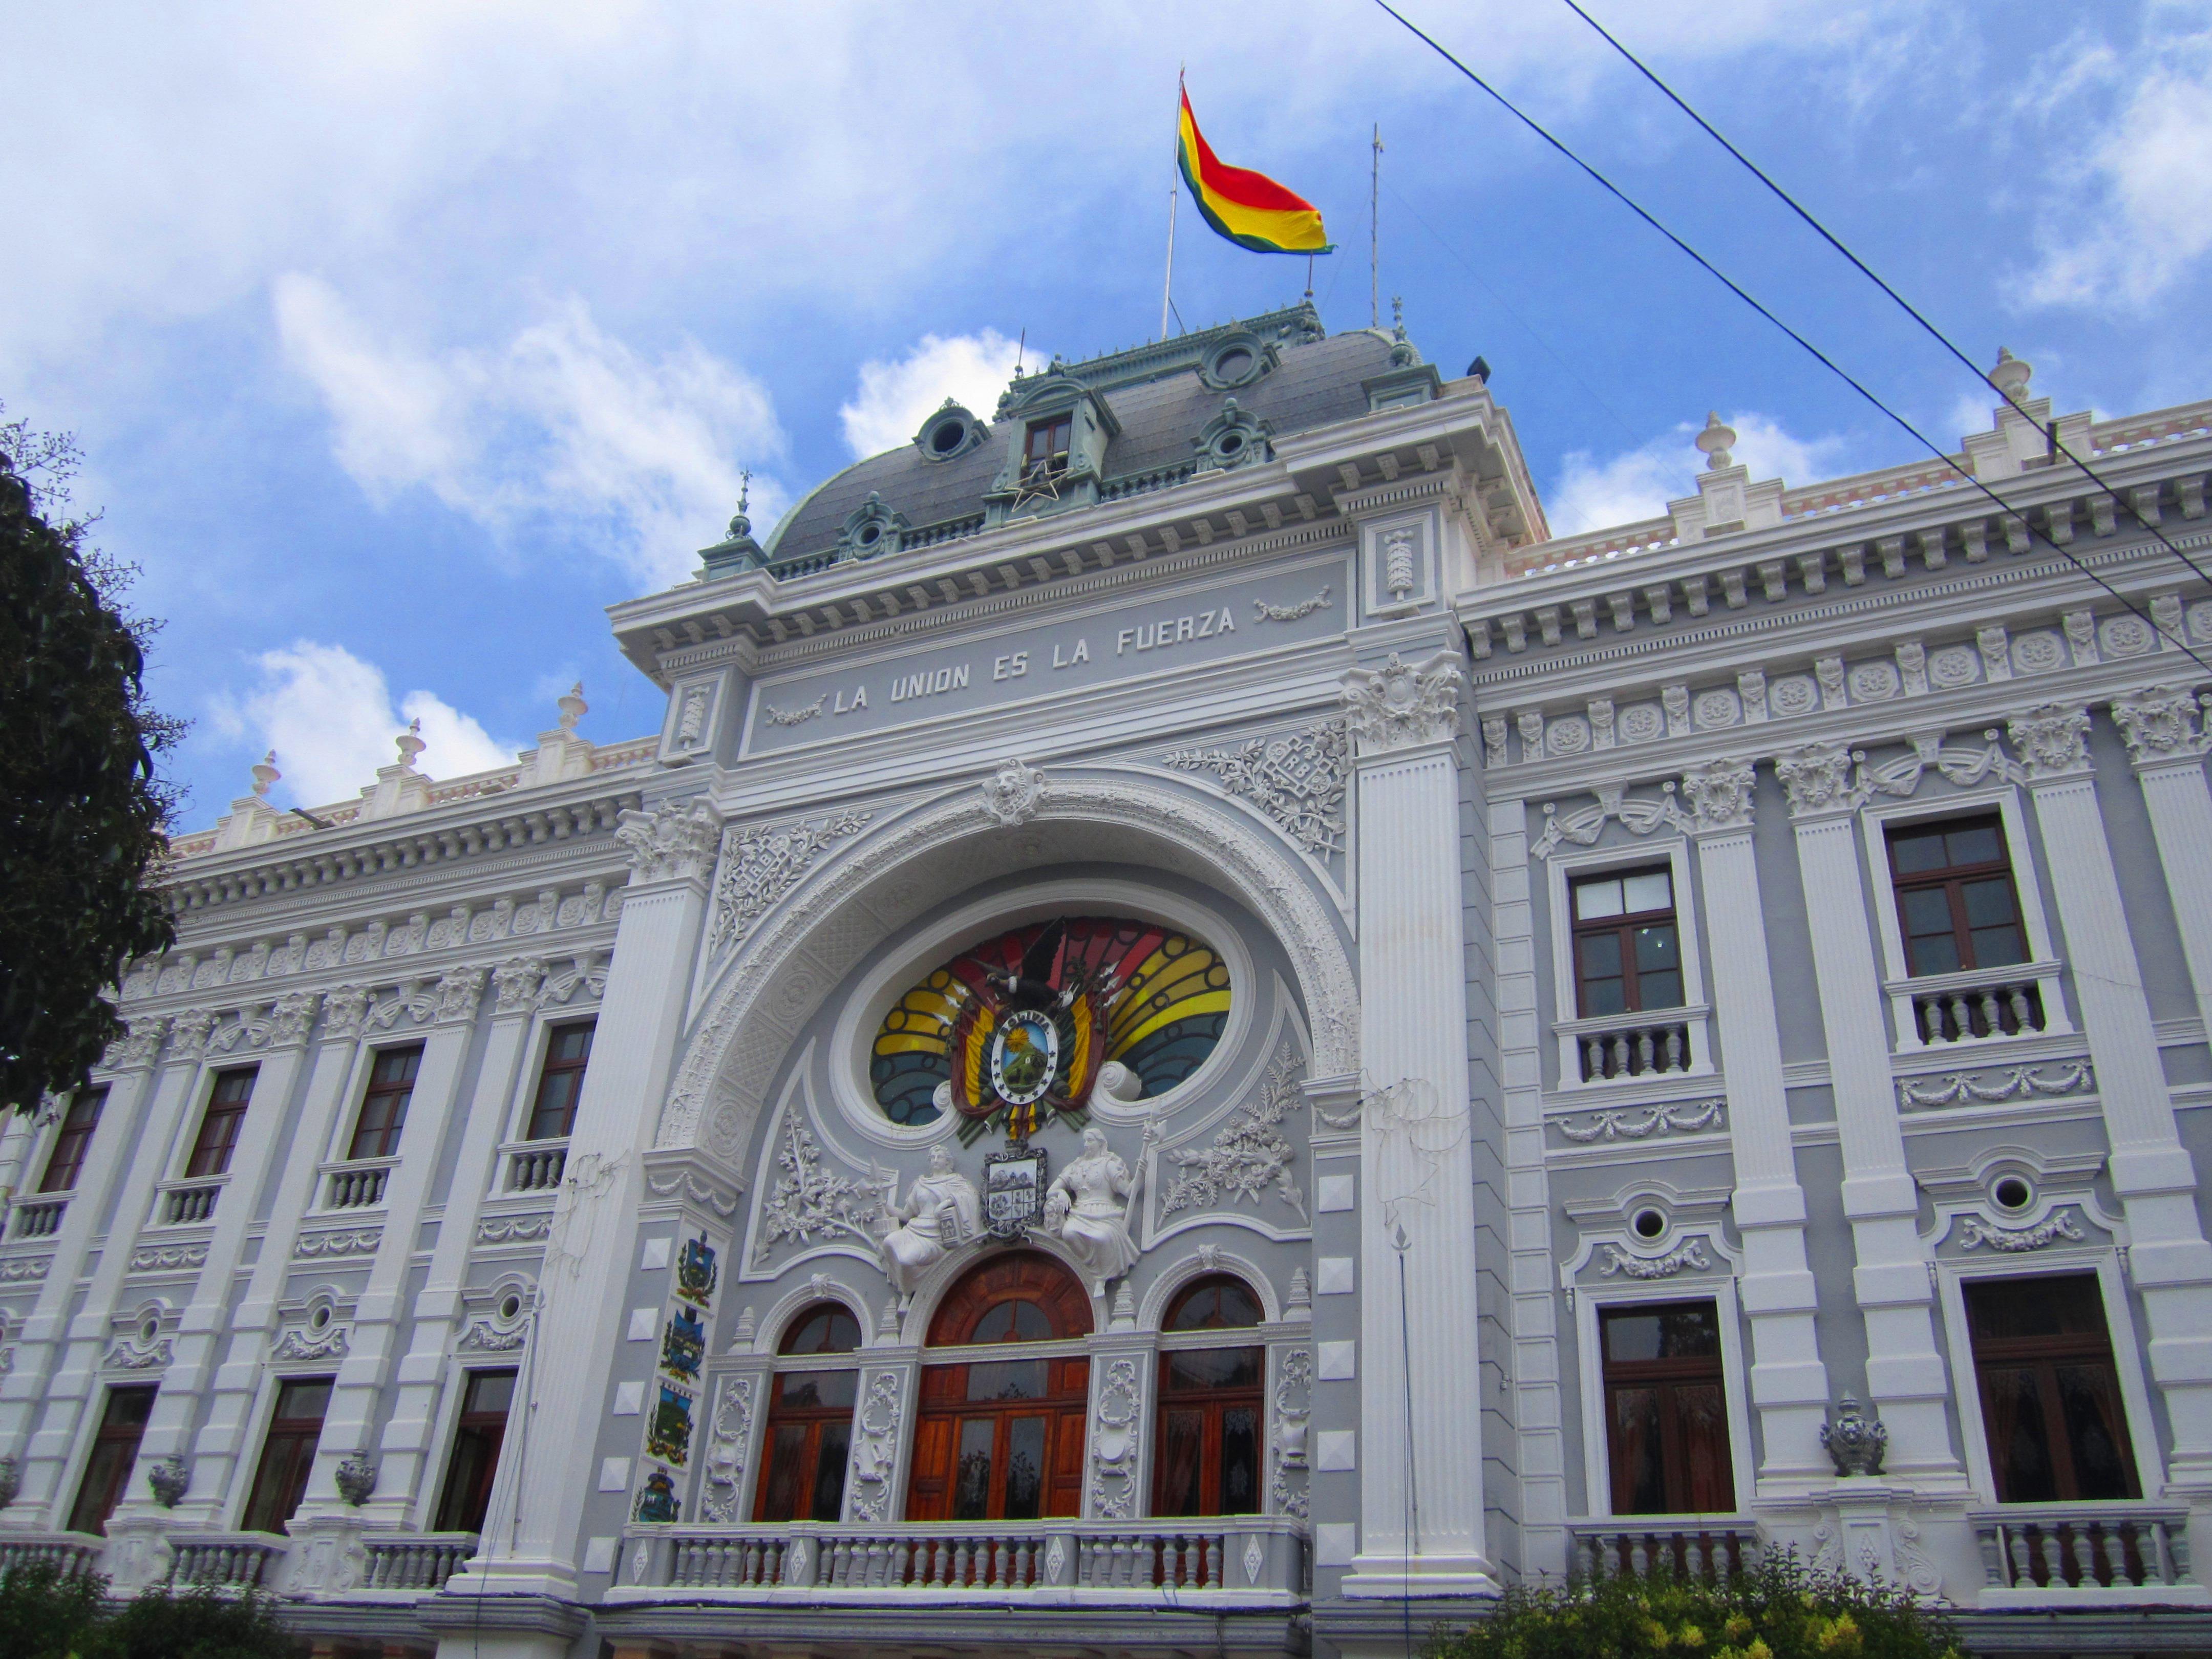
point(1175, 178)
point(1375, 234)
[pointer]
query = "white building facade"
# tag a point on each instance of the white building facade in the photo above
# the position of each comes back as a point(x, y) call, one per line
point(1195, 1034)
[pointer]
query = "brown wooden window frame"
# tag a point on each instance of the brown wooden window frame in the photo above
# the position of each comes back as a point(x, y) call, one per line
point(556, 1069)
point(1011, 1300)
point(2043, 1354)
point(1191, 1401)
point(1667, 1377)
point(1058, 433)
point(114, 1454)
point(288, 1457)
point(479, 1436)
point(807, 1441)
point(382, 1119)
point(220, 1122)
point(1953, 879)
point(1624, 929)
point(66, 1161)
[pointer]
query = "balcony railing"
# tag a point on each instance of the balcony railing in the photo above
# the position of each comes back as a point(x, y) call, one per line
point(1691, 1546)
point(1240, 1558)
point(1940, 1011)
point(1668, 1041)
point(68, 1553)
point(38, 1218)
point(535, 1166)
point(186, 1202)
point(421, 1561)
point(2085, 1551)
point(357, 1186)
point(245, 1561)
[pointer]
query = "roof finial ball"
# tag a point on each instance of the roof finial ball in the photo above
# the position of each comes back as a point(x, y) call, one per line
point(264, 774)
point(1716, 441)
point(740, 526)
point(573, 707)
point(410, 743)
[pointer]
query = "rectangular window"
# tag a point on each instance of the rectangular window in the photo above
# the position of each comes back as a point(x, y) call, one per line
point(1210, 1432)
point(1666, 1409)
point(114, 1451)
point(1955, 900)
point(1628, 955)
point(287, 1454)
point(219, 1125)
point(560, 1082)
point(476, 1441)
point(2050, 1395)
point(810, 1434)
point(1044, 449)
point(384, 1108)
point(66, 1161)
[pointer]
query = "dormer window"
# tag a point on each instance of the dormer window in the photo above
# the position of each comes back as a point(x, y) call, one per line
point(1044, 450)
point(949, 433)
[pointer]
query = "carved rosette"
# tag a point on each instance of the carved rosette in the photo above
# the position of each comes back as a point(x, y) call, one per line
point(1719, 794)
point(1403, 703)
point(2053, 741)
point(515, 984)
point(676, 842)
point(2160, 725)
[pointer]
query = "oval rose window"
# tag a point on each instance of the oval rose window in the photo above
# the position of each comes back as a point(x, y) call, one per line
point(1022, 1024)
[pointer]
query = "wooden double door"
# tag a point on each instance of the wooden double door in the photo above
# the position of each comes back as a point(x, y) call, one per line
point(1001, 1440)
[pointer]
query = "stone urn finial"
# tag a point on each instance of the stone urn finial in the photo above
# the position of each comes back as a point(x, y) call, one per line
point(1717, 442)
point(357, 1479)
point(1854, 1441)
point(168, 1479)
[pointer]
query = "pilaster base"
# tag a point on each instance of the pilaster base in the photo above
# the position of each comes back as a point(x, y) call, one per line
point(513, 1580)
point(491, 1626)
point(1399, 1575)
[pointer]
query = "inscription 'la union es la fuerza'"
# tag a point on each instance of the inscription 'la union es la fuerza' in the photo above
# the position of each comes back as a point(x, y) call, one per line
point(1161, 634)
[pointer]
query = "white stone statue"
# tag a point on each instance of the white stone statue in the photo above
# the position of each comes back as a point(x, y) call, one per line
point(1087, 1206)
point(942, 1211)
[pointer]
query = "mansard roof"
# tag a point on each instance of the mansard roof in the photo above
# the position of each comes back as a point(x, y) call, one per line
point(1160, 397)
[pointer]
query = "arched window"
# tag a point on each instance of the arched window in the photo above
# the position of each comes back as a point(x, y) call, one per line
point(1209, 1453)
point(810, 1421)
point(1003, 1439)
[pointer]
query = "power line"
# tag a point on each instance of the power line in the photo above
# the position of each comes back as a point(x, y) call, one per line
point(1872, 276)
point(1812, 350)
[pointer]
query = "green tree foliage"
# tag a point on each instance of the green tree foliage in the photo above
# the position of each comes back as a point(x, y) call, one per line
point(1778, 1610)
point(45, 1614)
point(199, 1623)
point(82, 811)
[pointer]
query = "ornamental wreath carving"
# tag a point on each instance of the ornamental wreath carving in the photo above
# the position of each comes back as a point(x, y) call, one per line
point(1248, 1156)
point(671, 842)
point(808, 1199)
point(1402, 702)
point(1297, 779)
point(1973, 1232)
point(2160, 724)
point(1689, 1254)
point(2053, 741)
point(1827, 777)
point(761, 864)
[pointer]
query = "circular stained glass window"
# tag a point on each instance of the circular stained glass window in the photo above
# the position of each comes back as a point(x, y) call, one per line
point(1020, 1025)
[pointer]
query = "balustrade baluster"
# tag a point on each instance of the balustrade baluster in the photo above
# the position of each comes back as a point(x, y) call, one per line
point(960, 1563)
point(2055, 1552)
point(1214, 1553)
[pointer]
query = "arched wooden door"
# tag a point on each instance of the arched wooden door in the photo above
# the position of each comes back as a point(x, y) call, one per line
point(1002, 1438)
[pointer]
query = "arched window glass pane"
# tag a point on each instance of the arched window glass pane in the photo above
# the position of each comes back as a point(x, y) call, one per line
point(1215, 1304)
point(825, 1328)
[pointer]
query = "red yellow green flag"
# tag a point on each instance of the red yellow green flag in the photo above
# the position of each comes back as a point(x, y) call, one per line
point(1250, 208)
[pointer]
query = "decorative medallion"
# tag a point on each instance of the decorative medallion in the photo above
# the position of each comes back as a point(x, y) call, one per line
point(1019, 1027)
point(695, 1272)
point(1013, 1190)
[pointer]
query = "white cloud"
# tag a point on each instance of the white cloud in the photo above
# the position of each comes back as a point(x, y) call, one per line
point(2137, 213)
point(563, 429)
point(893, 398)
point(329, 716)
point(1595, 494)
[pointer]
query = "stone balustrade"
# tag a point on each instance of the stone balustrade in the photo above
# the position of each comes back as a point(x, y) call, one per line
point(1695, 1545)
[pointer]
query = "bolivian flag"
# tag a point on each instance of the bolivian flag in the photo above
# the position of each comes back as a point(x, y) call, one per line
point(1250, 208)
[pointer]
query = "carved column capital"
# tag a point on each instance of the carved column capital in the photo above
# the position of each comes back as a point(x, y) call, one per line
point(515, 984)
point(1718, 795)
point(1818, 779)
point(343, 1010)
point(291, 1017)
point(188, 1034)
point(2053, 741)
point(1403, 703)
point(458, 993)
point(2160, 725)
point(675, 842)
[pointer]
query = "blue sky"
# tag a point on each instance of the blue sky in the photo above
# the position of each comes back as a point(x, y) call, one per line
point(402, 339)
